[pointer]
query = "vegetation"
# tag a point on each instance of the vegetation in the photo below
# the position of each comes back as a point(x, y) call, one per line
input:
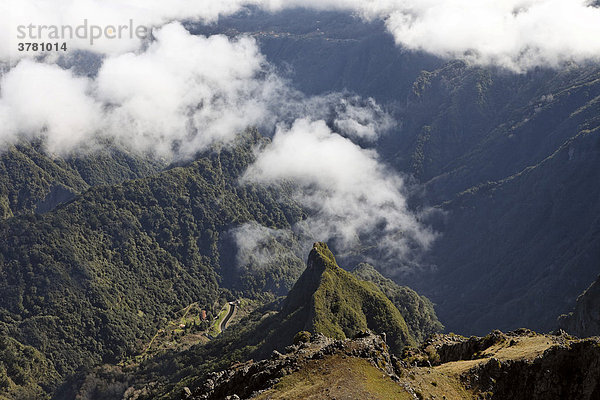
point(417, 310)
point(31, 180)
point(93, 280)
point(302, 337)
point(24, 372)
point(337, 377)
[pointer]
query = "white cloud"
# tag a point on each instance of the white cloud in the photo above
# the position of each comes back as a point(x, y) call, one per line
point(362, 121)
point(517, 34)
point(47, 100)
point(182, 90)
point(260, 246)
point(354, 199)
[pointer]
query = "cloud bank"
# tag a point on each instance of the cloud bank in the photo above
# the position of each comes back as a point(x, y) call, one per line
point(353, 198)
point(176, 94)
point(516, 34)
point(181, 89)
point(179, 95)
point(183, 93)
point(41, 98)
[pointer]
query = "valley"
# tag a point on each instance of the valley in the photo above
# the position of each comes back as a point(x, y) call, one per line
point(266, 201)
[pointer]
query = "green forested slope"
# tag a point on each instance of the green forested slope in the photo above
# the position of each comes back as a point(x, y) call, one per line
point(92, 280)
point(33, 180)
point(24, 372)
point(325, 299)
point(417, 310)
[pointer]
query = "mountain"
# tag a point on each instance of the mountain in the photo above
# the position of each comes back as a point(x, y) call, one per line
point(329, 300)
point(94, 279)
point(418, 311)
point(31, 180)
point(585, 319)
point(326, 301)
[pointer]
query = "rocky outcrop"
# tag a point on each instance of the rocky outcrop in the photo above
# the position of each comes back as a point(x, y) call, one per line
point(584, 321)
point(245, 380)
point(561, 372)
point(455, 347)
point(518, 365)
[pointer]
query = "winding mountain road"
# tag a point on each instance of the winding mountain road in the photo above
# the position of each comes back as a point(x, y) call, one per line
point(232, 308)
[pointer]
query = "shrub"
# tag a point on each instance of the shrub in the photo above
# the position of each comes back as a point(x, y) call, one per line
point(302, 337)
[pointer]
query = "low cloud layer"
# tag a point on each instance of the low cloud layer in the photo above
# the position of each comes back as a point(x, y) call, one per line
point(516, 34)
point(185, 89)
point(183, 93)
point(353, 198)
point(45, 99)
point(181, 89)
point(178, 96)
point(174, 94)
point(259, 247)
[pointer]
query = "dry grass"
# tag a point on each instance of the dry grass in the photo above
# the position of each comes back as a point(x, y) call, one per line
point(443, 381)
point(431, 383)
point(337, 377)
point(526, 347)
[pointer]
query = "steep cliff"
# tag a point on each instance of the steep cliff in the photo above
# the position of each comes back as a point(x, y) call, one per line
point(584, 321)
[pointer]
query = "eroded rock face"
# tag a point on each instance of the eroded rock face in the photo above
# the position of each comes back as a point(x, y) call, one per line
point(585, 320)
point(520, 365)
point(247, 379)
point(562, 372)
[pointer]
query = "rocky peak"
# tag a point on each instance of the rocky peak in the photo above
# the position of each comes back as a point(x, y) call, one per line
point(319, 260)
point(330, 300)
